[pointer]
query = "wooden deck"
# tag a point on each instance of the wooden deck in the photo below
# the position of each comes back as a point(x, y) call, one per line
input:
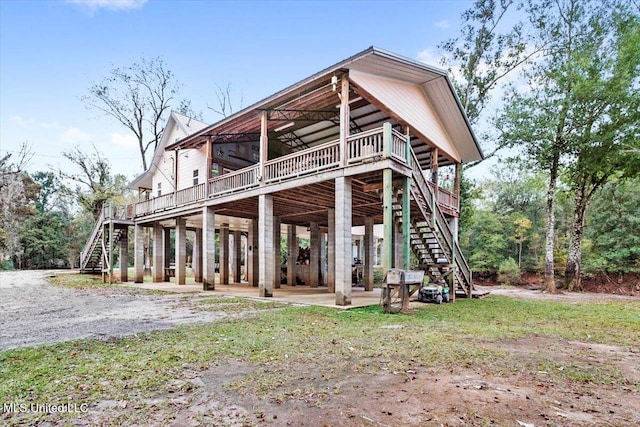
point(366, 153)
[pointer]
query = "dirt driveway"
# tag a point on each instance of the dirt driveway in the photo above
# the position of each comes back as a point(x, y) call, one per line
point(33, 311)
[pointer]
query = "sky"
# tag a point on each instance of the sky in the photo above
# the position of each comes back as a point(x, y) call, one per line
point(52, 51)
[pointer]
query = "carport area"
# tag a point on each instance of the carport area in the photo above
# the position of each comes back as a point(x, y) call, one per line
point(302, 295)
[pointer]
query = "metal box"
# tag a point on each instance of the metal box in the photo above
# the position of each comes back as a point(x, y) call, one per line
point(397, 276)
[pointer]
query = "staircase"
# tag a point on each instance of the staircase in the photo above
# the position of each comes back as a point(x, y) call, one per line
point(94, 258)
point(432, 240)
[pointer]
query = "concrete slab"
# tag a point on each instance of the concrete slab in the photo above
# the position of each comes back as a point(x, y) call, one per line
point(303, 295)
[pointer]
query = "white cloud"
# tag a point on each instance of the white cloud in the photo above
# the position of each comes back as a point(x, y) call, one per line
point(21, 121)
point(93, 5)
point(442, 24)
point(29, 122)
point(124, 140)
point(75, 135)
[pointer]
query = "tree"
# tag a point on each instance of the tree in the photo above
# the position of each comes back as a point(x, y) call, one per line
point(485, 53)
point(139, 97)
point(541, 121)
point(16, 200)
point(225, 100)
point(92, 182)
point(613, 238)
point(607, 96)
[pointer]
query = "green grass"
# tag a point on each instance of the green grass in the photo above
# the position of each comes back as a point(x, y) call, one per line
point(94, 281)
point(465, 334)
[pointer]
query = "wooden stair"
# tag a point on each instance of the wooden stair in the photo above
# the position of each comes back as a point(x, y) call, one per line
point(95, 256)
point(432, 240)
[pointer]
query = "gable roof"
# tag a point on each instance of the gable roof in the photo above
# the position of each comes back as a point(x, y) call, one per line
point(450, 130)
point(177, 127)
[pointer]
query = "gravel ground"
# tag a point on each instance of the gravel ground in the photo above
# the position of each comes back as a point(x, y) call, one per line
point(32, 311)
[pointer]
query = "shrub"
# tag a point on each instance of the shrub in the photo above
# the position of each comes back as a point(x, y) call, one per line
point(509, 272)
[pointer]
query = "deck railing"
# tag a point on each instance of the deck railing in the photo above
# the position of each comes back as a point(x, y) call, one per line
point(398, 146)
point(235, 181)
point(361, 147)
point(446, 199)
point(316, 159)
point(191, 194)
point(365, 145)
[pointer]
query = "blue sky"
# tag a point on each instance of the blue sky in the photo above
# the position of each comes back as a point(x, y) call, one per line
point(51, 52)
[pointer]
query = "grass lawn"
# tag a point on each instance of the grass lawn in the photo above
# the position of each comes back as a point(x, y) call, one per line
point(475, 335)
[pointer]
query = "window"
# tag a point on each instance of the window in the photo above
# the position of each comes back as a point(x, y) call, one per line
point(159, 189)
point(195, 177)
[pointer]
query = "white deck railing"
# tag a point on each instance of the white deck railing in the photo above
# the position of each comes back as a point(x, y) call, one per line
point(191, 194)
point(239, 180)
point(362, 147)
point(316, 159)
point(365, 146)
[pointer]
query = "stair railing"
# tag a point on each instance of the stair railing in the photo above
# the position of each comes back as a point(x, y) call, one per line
point(441, 223)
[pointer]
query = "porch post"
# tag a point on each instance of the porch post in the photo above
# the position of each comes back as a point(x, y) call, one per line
point(323, 259)
point(158, 253)
point(387, 220)
point(237, 256)
point(197, 256)
point(209, 248)
point(456, 184)
point(344, 118)
point(314, 255)
point(253, 261)
point(264, 146)
point(434, 179)
point(292, 244)
point(166, 244)
point(406, 222)
point(181, 251)
point(124, 255)
point(343, 240)
point(224, 254)
point(277, 253)
point(265, 254)
point(331, 261)
point(453, 224)
point(369, 252)
point(138, 256)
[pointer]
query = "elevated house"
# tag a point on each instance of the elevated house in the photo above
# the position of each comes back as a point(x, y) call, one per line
point(359, 143)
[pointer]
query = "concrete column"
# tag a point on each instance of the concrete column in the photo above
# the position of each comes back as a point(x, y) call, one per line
point(197, 256)
point(369, 253)
point(208, 248)
point(277, 252)
point(138, 256)
point(292, 244)
point(314, 255)
point(323, 258)
point(387, 220)
point(266, 268)
point(158, 254)
point(124, 255)
point(253, 261)
point(181, 251)
point(343, 240)
point(331, 267)
point(224, 254)
point(237, 255)
point(166, 245)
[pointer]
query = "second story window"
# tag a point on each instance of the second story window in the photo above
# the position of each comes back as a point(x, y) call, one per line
point(159, 189)
point(195, 177)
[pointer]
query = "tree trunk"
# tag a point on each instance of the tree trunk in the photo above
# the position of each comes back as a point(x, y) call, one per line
point(549, 276)
point(572, 280)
